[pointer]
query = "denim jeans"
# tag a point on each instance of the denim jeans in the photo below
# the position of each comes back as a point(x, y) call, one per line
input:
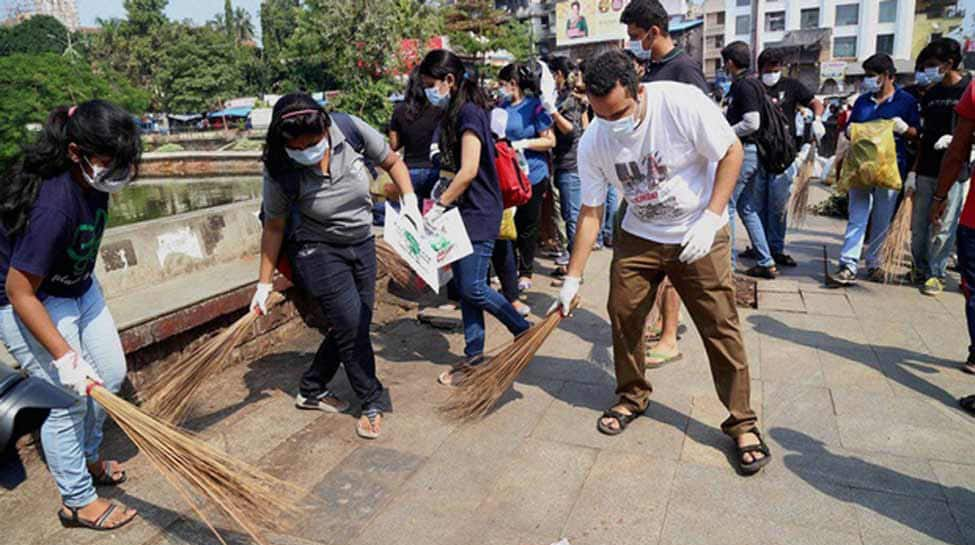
point(772, 201)
point(873, 205)
point(930, 246)
point(71, 437)
point(744, 201)
point(423, 181)
point(966, 265)
point(570, 197)
point(503, 259)
point(342, 278)
point(476, 296)
point(609, 217)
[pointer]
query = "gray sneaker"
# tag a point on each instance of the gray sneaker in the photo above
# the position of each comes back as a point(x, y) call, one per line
point(325, 402)
point(841, 278)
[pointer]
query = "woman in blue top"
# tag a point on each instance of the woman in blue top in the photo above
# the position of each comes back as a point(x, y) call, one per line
point(467, 152)
point(530, 131)
point(53, 318)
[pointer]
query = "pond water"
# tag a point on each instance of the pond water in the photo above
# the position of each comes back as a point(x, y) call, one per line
point(143, 201)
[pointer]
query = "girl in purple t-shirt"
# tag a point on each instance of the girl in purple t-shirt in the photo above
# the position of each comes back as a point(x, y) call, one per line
point(53, 318)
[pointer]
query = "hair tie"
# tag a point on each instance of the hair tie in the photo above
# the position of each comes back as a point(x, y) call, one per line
point(296, 113)
point(71, 110)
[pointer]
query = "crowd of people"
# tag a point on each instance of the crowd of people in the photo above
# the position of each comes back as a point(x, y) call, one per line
point(635, 125)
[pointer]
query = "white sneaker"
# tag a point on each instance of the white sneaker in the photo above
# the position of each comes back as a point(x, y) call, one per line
point(325, 402)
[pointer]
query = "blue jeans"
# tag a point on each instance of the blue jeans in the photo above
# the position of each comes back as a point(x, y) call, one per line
point(476, 296)
point(772, 201)
point(930, 246)
point(71, 437)
point(423, 181)
point(570, 197)
point(873, 205)
point(744, 201)
point(342, 279)
point(609, 216)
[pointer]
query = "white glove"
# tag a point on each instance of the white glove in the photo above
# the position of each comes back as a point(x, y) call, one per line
point(700, 237)
point(943, 142)
point(519, 145)
point(570, 288)
point(548, 107)
point(74, 373)
point(435, 214)
point(818, 129)
point(910, 184)
point(259, 301)
point(900, 126)
point(410, 208)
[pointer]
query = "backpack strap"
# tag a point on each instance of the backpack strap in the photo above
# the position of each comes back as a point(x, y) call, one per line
point(352, 135)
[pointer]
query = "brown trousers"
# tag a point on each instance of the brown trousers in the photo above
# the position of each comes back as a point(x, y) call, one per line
point(707, 288)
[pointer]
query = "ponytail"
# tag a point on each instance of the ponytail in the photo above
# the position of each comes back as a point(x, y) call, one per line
point(438, 64)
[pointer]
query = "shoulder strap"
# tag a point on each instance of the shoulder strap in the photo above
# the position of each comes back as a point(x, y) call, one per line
point(349, 130)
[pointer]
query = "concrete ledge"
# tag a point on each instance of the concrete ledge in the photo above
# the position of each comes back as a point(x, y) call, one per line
point(193, 164)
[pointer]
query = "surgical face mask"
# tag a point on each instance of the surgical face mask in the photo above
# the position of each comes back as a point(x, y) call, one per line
point(871, 84)
point(504, 93)
point(636, 46)
point(99, 178)
point(309, 156)
point(934, 74)
point(435, 98)
point(621, 128)
point(771, 78)
point(921, 78)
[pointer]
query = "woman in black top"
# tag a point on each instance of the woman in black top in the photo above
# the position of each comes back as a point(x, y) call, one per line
point(411, 130)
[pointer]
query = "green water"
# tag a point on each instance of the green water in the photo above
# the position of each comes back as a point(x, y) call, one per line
point(148, 201)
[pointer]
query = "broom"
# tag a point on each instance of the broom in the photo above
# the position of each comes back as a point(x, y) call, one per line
point(898, 241)
point(392, 264)
point(252, 498)
point(799, 205)
point(487, 382)
point(170, 396)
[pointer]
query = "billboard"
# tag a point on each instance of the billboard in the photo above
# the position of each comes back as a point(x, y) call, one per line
point(591, 21)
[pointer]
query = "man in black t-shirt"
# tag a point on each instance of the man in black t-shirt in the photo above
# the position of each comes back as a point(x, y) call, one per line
point(650, 42)
point(744, 114)
point(773, 190)
point(938, 66)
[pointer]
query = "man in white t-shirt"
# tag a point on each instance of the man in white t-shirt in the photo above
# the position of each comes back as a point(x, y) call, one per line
point(674, 157)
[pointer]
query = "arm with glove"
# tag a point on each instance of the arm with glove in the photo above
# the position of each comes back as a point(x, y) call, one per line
point(699, 239)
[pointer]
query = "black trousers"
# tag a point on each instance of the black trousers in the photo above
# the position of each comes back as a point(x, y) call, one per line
point(342, 278)
point(528, 220)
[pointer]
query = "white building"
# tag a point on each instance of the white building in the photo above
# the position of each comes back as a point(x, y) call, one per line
point(860, 28)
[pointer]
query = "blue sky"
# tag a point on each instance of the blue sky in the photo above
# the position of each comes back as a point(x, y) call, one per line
point(198, 10)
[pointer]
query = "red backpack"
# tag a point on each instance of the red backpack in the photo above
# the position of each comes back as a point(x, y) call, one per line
point(516, 190)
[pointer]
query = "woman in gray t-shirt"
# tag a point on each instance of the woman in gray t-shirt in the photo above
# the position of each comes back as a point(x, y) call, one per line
point(317, 177)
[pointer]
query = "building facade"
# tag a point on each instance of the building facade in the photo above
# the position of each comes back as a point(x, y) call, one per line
point(65, 11)
point(860, 28)
point(714, 36)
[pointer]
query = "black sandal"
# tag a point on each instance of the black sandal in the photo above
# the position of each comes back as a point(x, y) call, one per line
point(99, 525)
point(968, 404)
point(105, 478)
point(622, 418)
point(756, 465)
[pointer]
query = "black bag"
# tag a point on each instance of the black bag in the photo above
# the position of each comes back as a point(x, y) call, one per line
point(776, 145)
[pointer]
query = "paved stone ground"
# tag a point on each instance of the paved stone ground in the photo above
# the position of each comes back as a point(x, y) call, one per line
point(856, 391)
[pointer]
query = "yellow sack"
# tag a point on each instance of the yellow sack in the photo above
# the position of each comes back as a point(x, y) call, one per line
point(508, 231)
point(871, 160)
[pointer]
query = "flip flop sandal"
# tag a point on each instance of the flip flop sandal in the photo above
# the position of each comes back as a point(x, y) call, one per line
point(654, 333)
point(968, 404)
point(99, 524)
point(622, 418)
point(659, 359)
point(371, 414)
point(756, 465)
point(105, 479)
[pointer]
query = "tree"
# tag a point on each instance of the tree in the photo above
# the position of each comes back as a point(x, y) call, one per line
point(228, 18)
point(33, 85)
point(142, 16)
point(474, 26)
point(39, 34)
point(278, 21)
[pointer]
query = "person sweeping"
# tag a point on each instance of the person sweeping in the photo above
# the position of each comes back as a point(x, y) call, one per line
point(658, 143)
point(53, 317)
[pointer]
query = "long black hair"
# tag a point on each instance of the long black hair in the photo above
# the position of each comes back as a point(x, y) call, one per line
point(438, 64)
point(415, 100)
point(294, 115)
point(523, 75)
point(96, 127)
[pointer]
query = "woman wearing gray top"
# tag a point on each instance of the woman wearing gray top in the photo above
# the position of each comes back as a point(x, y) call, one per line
point(314, 177)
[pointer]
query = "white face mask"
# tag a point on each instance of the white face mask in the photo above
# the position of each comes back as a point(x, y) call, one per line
point(636, 46)
point(934, 74)
point(871, 84)
point(624, 127)
point(99, 180)
point(771, 78)
point(309, 156)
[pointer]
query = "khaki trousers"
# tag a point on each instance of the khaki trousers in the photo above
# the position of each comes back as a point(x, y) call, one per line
point(707, 288)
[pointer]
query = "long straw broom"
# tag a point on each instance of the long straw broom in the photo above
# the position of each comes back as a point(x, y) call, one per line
point(484, 384)
point(170, 396)
point(897, 245)
point(799, 204)
point(250, 497)
point(391, 263)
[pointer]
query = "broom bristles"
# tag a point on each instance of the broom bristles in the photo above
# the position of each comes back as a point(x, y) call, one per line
point(392, 264)
point(171, 395)
point(484, 384)
point(252, 498)
point(799, 203)
point(897, 245)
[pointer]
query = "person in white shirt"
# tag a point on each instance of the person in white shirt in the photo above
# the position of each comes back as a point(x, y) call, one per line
point(675, 159)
